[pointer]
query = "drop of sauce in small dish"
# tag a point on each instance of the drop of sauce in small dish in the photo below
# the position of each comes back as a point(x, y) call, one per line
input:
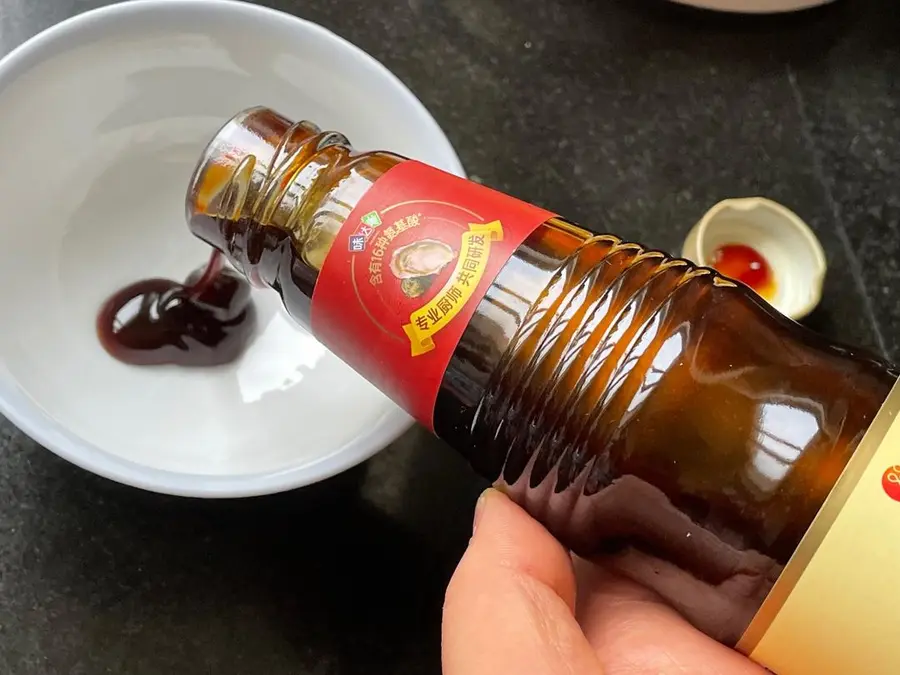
point(745, 264)
point(205, 321)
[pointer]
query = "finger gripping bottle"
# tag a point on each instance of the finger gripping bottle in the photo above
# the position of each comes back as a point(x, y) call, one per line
point(650, 413)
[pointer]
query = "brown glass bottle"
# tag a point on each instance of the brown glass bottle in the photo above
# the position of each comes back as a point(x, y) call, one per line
point(645, 410)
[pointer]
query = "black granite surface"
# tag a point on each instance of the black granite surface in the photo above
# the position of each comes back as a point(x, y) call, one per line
point(632, 116)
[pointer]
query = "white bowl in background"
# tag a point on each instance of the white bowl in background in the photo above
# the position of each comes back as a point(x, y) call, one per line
point(755, 6)
point(102, 119)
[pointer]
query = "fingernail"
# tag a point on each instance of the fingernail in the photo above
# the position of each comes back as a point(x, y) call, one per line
point(479, 509)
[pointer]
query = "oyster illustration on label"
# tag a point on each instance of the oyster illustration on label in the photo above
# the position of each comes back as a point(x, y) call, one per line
point(417, 264)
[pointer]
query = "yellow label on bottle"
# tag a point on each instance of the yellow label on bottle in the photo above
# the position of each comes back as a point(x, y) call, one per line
point(835, 610)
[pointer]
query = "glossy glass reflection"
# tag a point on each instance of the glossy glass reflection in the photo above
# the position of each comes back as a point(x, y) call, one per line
point(656, 416)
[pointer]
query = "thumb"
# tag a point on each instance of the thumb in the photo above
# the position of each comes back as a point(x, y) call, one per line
point(509, 608)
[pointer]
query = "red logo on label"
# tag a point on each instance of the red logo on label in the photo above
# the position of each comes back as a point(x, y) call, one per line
point(426, 274)
point(406, 273)
point(890, 481)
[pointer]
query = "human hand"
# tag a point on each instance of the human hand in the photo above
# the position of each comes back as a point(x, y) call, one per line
point(511, 609)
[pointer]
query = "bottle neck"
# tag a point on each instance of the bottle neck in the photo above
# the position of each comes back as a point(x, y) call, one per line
point(272, 195)
point(256, 184)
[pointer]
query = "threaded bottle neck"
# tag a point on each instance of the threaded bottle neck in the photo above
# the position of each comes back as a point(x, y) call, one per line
point(258, 172)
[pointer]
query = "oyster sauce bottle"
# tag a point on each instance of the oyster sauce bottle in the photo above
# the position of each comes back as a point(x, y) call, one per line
point(646, 411)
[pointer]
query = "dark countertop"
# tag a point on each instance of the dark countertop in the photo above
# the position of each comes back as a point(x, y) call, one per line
point(632, 116)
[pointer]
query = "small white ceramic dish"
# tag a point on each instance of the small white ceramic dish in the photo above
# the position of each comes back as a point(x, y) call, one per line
point(790, 247)
point(102, 119)
point(755, 6)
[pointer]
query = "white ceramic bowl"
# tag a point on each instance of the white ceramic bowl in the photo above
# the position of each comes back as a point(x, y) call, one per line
point(755, 6)
point(788, 245)
point(102, 119)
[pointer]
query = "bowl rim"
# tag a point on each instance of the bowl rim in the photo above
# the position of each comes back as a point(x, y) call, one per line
point(755, 6)
point(814, 281)
point(27, 415)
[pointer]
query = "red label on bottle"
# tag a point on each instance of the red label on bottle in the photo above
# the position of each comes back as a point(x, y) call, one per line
point(406, 273)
